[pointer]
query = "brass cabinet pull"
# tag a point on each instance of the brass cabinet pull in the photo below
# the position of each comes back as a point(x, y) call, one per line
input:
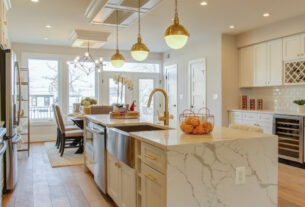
point(117, 165)
point(150, 177)
point(150, 157)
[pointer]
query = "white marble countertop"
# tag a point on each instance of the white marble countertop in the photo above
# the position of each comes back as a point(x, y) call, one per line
point(269, 112)
point(106, 121)
point(173, 136)
point(170, 138)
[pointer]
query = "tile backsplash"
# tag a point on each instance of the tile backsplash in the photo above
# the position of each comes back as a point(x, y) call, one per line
point(277, 98)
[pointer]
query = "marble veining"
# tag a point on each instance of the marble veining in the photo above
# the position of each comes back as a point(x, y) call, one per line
point(203, 175)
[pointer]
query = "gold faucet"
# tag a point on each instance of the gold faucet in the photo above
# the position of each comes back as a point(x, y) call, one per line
point(166, 116)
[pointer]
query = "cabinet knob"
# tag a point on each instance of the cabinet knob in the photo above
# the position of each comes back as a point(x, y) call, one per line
point(150, 177)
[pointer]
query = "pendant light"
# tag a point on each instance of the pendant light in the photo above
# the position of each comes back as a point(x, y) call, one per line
point(176, 35)
point(139, 51)
point(117, 60)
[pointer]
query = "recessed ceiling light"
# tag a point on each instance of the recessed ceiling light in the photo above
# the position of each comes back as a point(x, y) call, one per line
point(46, 38)
point(35, 1)
point(48, 26)
point(232, 26)
point(266, 14)
point(204, 3)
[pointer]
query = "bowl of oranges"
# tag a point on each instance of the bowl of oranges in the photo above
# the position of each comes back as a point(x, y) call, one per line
point(198, 123)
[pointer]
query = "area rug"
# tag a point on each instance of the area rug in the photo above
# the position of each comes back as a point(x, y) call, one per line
point(69, 157)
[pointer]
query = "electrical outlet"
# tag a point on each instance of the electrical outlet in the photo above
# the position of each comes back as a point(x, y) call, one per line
point(240, 176)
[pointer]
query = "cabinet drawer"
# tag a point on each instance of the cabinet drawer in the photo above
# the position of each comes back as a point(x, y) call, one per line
point(153, 187)
point(250, 116)
point(265, 117)
point(153, 156)
point(236, 115)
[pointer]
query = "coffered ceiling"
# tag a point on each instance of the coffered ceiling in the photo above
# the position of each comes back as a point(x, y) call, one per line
point(27, 20)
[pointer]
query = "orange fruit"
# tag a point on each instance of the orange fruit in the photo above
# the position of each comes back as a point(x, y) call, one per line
point(182, 125)
point(195, 122)
point(189, 120)
point(207, 126)
point(188, 128)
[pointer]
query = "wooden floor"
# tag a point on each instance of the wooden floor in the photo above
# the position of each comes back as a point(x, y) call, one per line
point(40, 185)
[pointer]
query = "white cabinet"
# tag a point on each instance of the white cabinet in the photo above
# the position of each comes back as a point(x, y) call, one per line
point(260, 64)
point(5, 5)
point(259, 119)
point(293, 47)
point(246, 67)
point(153, 187)
point(275, 62)
point(113, 179)
point(121, 182)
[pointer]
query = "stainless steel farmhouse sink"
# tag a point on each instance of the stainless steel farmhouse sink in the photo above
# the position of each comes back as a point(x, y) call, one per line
point(121, 145)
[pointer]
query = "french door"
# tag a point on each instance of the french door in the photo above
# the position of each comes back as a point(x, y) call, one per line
point(143, 83)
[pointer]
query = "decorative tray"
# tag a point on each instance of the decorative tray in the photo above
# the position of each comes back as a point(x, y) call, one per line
point(127, 115)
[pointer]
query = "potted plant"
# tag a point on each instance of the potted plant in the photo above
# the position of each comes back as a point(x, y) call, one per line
point(86, 104)
point(301, 105)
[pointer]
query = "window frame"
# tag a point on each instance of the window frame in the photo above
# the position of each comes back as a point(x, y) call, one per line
point(25, 63)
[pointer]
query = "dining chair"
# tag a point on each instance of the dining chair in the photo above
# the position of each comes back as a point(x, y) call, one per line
point(101, 109)
point(68, 128)
point(246, 128)
point(68, 138)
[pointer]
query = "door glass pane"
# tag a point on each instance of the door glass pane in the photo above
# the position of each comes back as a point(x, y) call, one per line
point(145, 88)
point(116, 92)
point(81, 85)
point(43, 88)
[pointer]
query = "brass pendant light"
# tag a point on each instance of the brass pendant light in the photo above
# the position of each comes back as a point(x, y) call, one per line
point(176, 36)
point(139, 51)
point(117, 60)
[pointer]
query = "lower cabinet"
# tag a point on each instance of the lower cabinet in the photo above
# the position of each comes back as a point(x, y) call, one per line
point(153, 187)
point(262, 120)
point(121, 182)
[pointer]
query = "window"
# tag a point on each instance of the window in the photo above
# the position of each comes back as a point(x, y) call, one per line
point(81, 85)
point(134, 67)
point(116, 94)
point(43, 88)
point(145, 88)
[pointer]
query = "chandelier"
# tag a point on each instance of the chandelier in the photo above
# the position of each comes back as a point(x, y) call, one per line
point(87, 63)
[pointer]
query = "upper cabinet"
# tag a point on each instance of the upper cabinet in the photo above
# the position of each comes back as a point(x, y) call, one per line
point(294, 47)
point(5, 5)
point(261, 64)
point(246, 67)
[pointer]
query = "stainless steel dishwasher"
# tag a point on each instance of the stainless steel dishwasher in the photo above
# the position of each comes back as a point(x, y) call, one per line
point(99, 156)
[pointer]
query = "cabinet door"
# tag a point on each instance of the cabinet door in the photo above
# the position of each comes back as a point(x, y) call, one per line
point(128, 186)
point(153, 187)
point(275, 63)
point(260, 64)
point(246, 67)
point(292, 47)
point(114, 179)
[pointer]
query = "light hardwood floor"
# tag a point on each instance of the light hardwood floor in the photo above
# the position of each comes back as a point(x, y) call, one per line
point(40, 185)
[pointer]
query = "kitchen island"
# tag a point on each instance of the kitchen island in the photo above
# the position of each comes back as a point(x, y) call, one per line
point(229, 168)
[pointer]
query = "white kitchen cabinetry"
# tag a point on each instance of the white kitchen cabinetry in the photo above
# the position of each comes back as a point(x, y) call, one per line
point(5, 5)
point(246, 67)
point(275, 62)
point(260, 64)
point(153, 187)
point(293, 47)
point(262, 120)
point(121, 183)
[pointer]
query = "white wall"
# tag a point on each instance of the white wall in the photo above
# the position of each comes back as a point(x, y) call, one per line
point(209, 47)
point(230, 86)
point(47, 131)
point(273, 31)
